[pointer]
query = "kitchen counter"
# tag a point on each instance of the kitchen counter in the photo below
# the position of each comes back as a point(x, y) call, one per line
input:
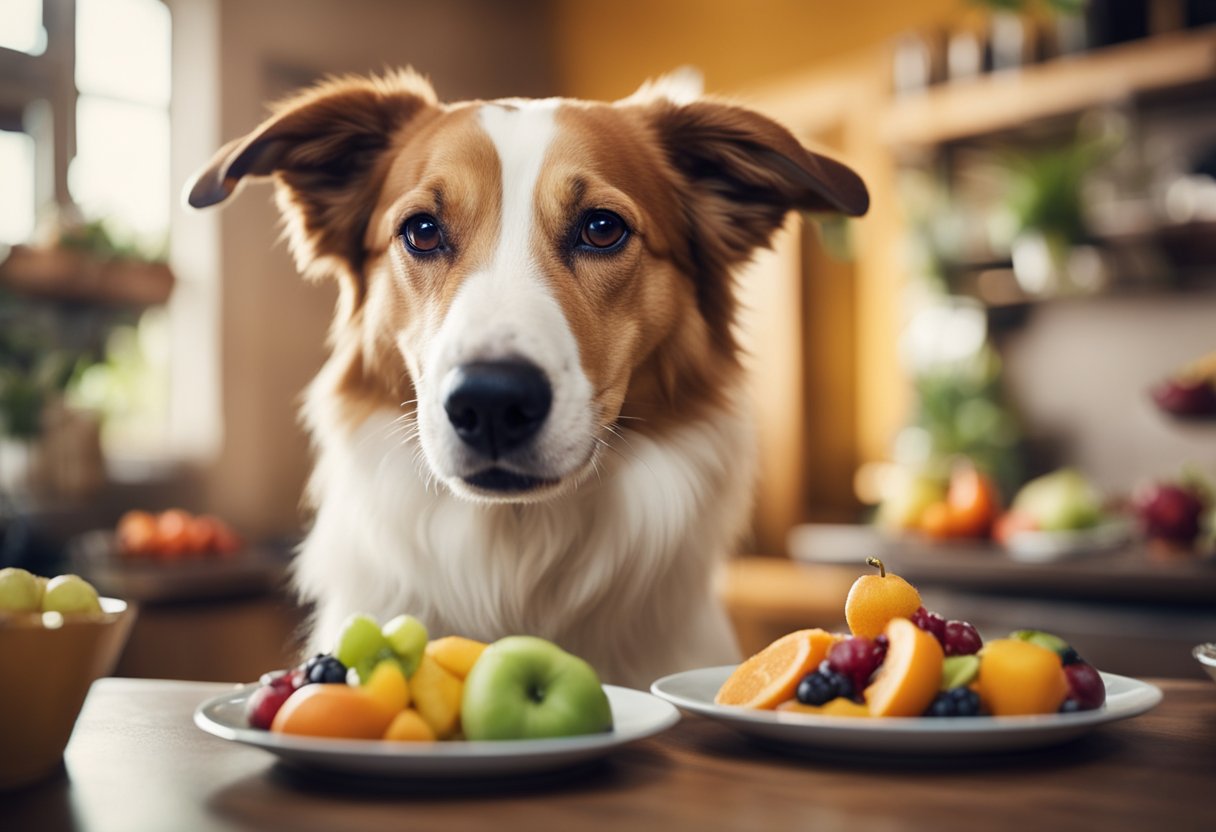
point(136, 762)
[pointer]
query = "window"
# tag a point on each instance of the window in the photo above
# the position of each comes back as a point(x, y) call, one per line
point(84, 138)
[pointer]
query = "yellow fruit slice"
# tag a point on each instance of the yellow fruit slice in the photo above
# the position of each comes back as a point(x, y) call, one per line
point(835, 707)
point(409, 726)
point(387, 685)
point(437, 694)
point(874, 600)
point(456, 654)
point(772, 675)
point(1018, 677)
point(910, 675)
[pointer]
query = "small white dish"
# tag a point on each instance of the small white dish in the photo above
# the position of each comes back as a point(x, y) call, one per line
point(1205, 654)
point(635, 714)
point(694, 691)
point(1048, 547)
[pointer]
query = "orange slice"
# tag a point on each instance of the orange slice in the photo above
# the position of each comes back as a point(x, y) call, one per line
point(910, 675)
point(771, 676)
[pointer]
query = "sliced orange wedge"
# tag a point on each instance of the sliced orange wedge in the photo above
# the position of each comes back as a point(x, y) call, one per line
point(771, 676)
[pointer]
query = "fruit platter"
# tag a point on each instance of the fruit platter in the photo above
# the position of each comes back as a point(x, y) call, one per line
point(390, 701)
point(904, 680)
point(174, 555)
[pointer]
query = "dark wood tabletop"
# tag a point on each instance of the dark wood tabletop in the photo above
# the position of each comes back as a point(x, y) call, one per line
point(136, 762)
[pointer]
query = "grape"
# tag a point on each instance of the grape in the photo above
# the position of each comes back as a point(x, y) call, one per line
point(930, 622)
point(856, 658)
point(359, 639)
point(960, 639)
point(264, 703)
point(1085, 686)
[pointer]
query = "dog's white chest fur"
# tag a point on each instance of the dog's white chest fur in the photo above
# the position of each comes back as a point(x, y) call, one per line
point(617, 571)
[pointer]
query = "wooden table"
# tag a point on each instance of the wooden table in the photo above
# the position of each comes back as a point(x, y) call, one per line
point(136, 762)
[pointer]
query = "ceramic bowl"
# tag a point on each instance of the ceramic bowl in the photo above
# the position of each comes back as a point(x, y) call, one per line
point(1205, 654)
point(47, 663)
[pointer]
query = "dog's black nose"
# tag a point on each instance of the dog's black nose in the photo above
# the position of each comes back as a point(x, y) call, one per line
point(495, 406)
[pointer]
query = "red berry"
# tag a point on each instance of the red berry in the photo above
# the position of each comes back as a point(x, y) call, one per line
point(960, 639)
point(1085, 686)
point(265, 702)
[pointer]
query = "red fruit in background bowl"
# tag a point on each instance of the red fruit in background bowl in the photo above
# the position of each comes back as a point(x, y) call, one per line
point(1186, 397)
point(1169, 512)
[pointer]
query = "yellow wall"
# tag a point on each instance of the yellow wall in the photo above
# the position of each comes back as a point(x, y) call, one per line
point(603, 50)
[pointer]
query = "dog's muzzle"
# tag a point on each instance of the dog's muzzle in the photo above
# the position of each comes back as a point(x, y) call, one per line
point(497, 407)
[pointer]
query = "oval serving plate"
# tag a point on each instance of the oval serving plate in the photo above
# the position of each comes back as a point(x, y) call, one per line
point(635, 714)
point(694, 691)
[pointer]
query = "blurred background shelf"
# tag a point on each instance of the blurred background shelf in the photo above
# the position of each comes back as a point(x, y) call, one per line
point(1012, 98)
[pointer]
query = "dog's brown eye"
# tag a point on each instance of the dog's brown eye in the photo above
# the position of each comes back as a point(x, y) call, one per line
point(422, 233)
point(602, 229)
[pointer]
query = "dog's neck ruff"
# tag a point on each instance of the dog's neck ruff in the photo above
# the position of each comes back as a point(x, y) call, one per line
point(616, 570)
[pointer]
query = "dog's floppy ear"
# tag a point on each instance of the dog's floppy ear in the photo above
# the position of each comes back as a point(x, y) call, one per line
point(742, 173)
point(324, 148)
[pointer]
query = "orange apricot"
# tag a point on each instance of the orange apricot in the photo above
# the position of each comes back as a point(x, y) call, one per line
point(336, 710)
point(909, 677)
point(873, 600)
point(1019, 677)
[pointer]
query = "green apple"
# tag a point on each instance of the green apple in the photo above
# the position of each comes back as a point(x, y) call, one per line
point(69, 594)
point(19, 591)
point(408, 637)
point(524, 687)
point(1060, 501)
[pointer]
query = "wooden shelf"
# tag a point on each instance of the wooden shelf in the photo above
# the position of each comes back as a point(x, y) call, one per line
point(1005, 100)
point(63, 275)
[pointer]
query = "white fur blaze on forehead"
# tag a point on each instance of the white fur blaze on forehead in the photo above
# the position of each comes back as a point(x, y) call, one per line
point(506, 308)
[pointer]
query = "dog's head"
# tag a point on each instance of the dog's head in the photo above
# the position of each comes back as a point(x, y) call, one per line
point(525, 273)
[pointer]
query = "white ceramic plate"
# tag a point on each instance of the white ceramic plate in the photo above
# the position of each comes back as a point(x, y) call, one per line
point(635, 715)
point(1205, 654)
point(694, 691)
point(1048, 547)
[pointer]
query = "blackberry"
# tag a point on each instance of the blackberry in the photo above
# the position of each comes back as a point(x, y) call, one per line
point(324, 669)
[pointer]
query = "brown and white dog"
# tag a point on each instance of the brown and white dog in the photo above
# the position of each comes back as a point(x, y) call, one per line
point(532, 419)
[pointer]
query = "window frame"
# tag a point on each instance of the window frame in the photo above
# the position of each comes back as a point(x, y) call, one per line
point(38, 96)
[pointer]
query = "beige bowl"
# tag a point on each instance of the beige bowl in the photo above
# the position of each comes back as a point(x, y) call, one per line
point(49, 663)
